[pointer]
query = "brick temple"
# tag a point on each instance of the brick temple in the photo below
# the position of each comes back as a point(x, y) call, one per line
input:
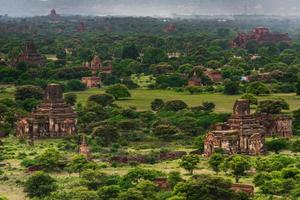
point(52, 118)
point(95, 66)
point(260, 35)
point(30, 55)
point(240, 134)
point(245, 132)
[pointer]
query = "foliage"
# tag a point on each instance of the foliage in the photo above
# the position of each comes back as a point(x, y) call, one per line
point(29, 91)
point(40, 185)
point(157, 104)
point(238, 166)
point(205, 187)
point(258, 88)
point(277, 145)
point(189, 163)
point(272, 106)
point(70, 98)
point(76, 85)
point(118, 91)
point(215, 161)
point(175, 105)
point(231, 87)
point(102, 99)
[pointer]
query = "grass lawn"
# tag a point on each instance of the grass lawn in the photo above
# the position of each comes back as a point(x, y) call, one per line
point(141, 98)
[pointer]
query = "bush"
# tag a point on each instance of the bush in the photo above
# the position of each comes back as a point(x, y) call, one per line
point(277, 145)
point(102, 99)
point(157, 104)
point(70, 98)
point(29, 91)
point(175, 105)
point(118, 91)
point(40, 185)
point(272, 106)
point(258, 88)
point(75, 85)
point(165, 131)
point(231, 87)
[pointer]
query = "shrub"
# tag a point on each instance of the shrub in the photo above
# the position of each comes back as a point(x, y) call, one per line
point(102, 99)
point(118, 91)
point(175, 105)
point(165, 131)
point(76, 85)
point(29, 91)
point(258, 88)
point(40, 185)
point(70, 98)
point(157, 104)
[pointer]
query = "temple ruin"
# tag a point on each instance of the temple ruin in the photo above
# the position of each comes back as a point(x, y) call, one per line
point(95, 66)
point(242, 133)
point(260, 35)
point(52, 118)
point(245, 132)
point(84, 149)
point(30, 55)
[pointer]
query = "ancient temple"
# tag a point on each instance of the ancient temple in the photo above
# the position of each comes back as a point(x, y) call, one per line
point(95, 66)
point(30, 55)
point(53, 14)
point(276, 125)
point(242, 133)
point(260, 35)
point(84, 149)
point(52, 118)
point(194, 80)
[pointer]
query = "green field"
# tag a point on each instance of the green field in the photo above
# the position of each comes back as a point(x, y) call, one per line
point(142, 98)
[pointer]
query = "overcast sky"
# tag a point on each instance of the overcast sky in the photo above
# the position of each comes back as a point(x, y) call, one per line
point(165, 8)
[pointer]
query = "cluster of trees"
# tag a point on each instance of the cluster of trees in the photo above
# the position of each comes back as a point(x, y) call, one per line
point(137, 184)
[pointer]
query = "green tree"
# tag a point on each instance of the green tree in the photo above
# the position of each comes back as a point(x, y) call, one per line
point(77, 164)
point(238, 166)
point(102, 99)
point(29, 91)
point(130, 51)
point(175, 105)
point(131, 194)
point(174, 178)
point(93, 179)
point(76, 85)
point(154, 56)
point(40, 185)
point(215, 162)
point(258, 88)
point(157, 104)
point(106, 134)
point(205, 187)
point(272, 106)
point(277, 145)
point(77, 193)
point(231, 87)
point(118, 91)
point(51, 159)
point(189, 163)
point(165, 131)
point(70, 98)
point(109, 192)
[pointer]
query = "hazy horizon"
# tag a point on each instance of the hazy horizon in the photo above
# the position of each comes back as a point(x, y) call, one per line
point(162, 8)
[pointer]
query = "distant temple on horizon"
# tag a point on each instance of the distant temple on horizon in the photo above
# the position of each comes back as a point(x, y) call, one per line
point(260, 35)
